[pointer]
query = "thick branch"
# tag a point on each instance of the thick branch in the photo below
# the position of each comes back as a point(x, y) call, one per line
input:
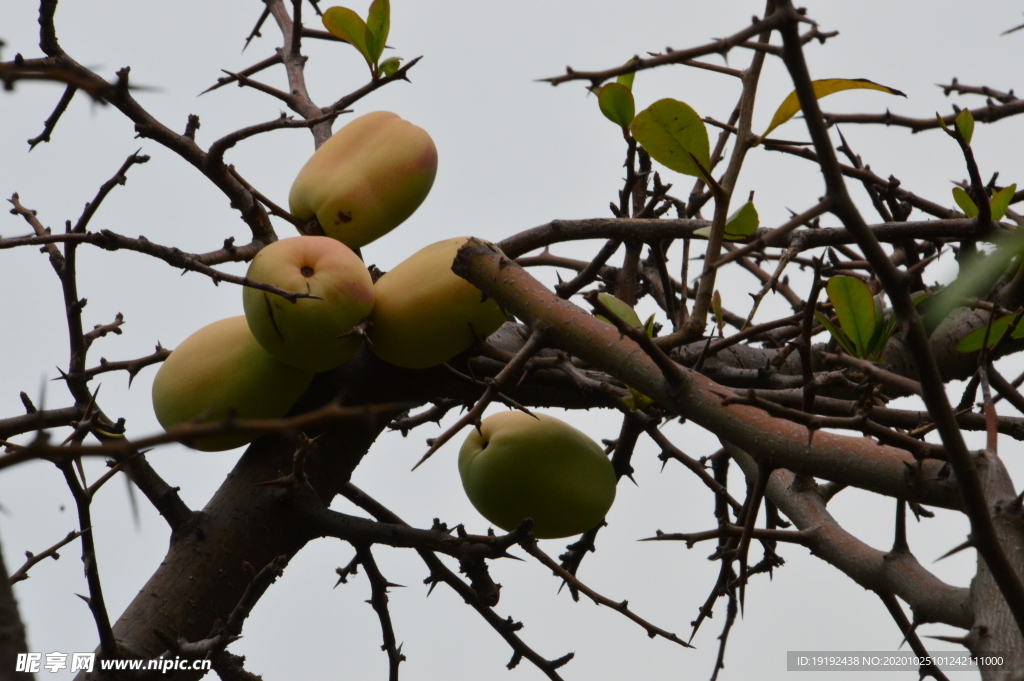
point(12, 630)
point(900, 574)
point(775, 442)
point(895, 284)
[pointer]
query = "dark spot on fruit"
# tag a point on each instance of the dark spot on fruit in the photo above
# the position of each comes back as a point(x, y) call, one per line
point(343, 217)
point(270, 311)
point(307, 271)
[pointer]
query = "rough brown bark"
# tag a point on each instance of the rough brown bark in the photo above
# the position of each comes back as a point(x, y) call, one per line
point(994, 629)
point(246, 525)
point(930, 599)
point(857, 461)
point(12, 631)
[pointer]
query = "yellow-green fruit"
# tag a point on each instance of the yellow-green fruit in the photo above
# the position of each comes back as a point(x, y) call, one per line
point(307, 334)
point(517, 466)
point(366, 179)
point(220, 370)
point(425, 314)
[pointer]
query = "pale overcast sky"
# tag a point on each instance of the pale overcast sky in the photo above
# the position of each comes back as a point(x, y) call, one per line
point(513, 154)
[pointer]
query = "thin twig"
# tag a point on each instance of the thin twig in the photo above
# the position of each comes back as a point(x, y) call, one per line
point(767, 238)
point(506, 628)
point(532, 345)
point(191, 431)
point(669, 450)
point(33, 558)
point(802, 537)
point(933, 388)
point(379, 601)
point(529, 544)
point(51, 122)
point(95, 601)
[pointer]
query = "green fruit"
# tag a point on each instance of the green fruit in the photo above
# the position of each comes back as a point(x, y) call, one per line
point(425, 314)
point(517, 466)
point(366, 179)
point(221, 370)
point(307, 334)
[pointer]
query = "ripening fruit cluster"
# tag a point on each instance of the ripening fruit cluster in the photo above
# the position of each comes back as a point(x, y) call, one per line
point(363, 182)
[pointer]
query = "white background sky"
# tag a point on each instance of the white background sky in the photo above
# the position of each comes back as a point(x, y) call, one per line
point(513, 154)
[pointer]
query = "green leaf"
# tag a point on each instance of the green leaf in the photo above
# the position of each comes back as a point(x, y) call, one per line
point(879, 314)
point(738, 226)
point(345, 24)
point(837, 333)
point(378, 25)
point(637, 400)
point(621, 310)
point(965, 124)
point(920, 296)
point(883, 332)
point(822, 88)
point(965, 202)
point(670, 131)
point(616, 102)
point(873, 346)
point(702, 171)
point(649, 327)
point(627, 78)
point(742, 223)
point(716, 308)
point(388, 67)
point(973, 341)
point(978, 273)
point(1001, 201)
point(890, 329)
point(855, 309)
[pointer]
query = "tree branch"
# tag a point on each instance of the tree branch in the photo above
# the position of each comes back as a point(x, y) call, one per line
point(776, 442)
point(933, 389)
point(900, 574)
